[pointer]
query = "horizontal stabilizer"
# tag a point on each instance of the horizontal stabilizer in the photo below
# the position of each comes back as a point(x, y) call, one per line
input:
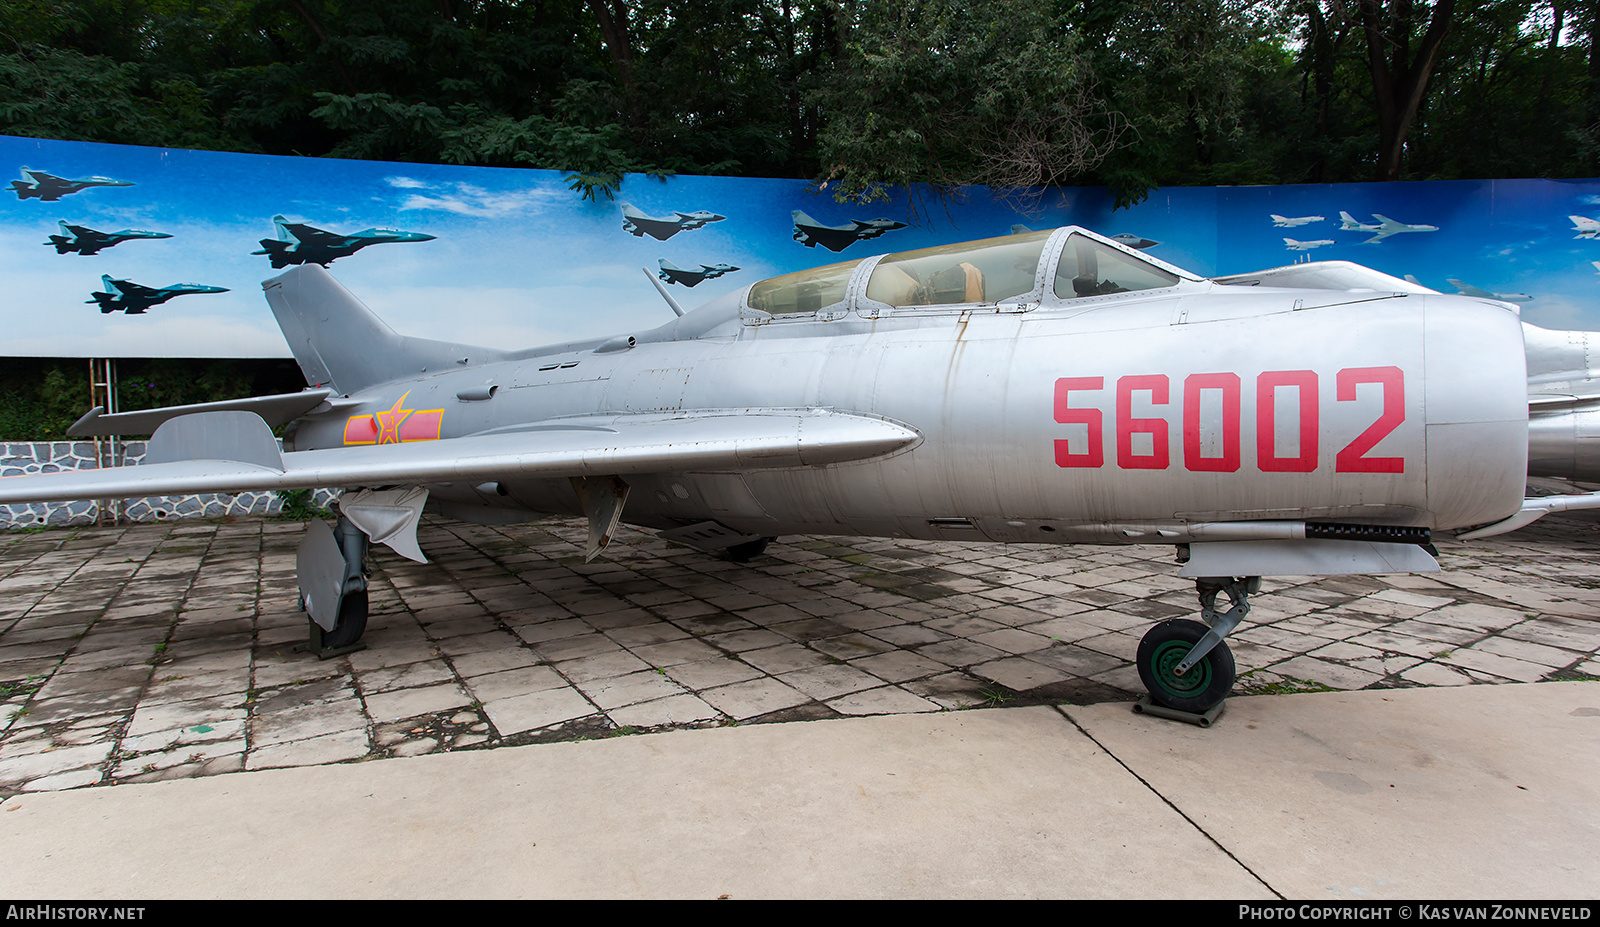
point(611, 445)
point(276, 410)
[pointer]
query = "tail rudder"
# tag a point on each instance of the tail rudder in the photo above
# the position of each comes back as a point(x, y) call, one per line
point(339, 342)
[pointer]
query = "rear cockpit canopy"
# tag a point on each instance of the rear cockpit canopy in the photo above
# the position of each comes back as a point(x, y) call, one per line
point(1043, 269)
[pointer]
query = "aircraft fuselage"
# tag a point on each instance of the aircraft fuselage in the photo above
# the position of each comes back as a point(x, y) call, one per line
point(1115, 419)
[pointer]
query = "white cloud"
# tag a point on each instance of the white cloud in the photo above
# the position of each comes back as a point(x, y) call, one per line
point(469, 200)
point(405, 183)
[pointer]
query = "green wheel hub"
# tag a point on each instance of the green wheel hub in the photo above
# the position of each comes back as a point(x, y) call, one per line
point(1165, 662)
point(1206, 683)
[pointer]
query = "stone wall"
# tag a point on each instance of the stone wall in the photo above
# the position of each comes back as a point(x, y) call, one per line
point(20, 458)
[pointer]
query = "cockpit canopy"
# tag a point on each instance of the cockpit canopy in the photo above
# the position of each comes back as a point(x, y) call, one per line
point(1032, 267)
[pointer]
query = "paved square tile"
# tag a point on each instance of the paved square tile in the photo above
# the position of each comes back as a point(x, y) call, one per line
point(173, 646)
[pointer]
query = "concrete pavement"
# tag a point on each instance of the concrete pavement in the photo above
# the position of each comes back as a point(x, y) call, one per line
point(667, 724)
point(1474, 792)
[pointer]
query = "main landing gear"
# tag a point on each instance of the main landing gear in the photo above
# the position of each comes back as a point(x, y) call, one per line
point(333, 586)
point(1185, 664)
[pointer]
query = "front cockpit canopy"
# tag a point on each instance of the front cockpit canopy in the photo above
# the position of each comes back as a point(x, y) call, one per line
point(1008, 269)
point(1091, 268)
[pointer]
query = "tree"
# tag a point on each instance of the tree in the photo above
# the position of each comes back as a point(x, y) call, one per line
point(952, 94)
point(1399, 73)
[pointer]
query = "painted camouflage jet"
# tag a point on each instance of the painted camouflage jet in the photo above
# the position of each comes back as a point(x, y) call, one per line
point(672, 273)
point(133, 299)
point(1467, 289)
point(1293, 245)
point(1049, 387)
point(298, 243)
point(1384, 227)
point(87, 241)
point(810, 232)
point(1286, 222)
point(48, 188)
point(1136, 242)
point(640, 225)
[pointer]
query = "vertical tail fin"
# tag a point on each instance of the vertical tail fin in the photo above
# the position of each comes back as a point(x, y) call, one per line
point(339, 342)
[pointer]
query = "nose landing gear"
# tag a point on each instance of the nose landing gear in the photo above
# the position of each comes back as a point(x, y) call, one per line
point(1185, 664)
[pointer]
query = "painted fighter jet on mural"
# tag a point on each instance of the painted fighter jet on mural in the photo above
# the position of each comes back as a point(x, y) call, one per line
point(87, 241)
point(1052, 387)
point(639, 225)
point(298, 243)
point(810, 232)
point(133, 299)
point(1467, 289)
point(672, 273)
point(49, 188)
point(1382, 229)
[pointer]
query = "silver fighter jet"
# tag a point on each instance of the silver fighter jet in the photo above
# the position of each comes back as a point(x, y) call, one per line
point(1048, 387)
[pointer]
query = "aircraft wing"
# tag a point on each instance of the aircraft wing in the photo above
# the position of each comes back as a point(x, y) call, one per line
point(659, 229)
point(831, 238)
point(1467, 289)
point(234, 451)
point(313, 236)
point(135, 290)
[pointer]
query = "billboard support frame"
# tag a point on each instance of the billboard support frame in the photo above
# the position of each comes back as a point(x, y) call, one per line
point(103, 392)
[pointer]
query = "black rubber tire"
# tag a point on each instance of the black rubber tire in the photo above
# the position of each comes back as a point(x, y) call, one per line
point(352, 621)
point(1205, 685)
point(749, 550)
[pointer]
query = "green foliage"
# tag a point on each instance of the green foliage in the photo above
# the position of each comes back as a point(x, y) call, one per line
point(40, 398)
point(298, 505)
point(1132, 94)
point(954, 94)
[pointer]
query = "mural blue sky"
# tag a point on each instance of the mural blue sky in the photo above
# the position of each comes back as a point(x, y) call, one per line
point(519, 260)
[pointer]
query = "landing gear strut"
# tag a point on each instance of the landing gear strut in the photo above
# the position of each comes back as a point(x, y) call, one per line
point(333, 587)
point(1185, 664)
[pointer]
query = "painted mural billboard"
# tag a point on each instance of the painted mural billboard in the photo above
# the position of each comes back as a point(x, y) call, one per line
point(117, 251)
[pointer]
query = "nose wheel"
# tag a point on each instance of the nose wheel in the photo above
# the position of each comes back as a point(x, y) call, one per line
point(1185, 664)
point(1199, 689)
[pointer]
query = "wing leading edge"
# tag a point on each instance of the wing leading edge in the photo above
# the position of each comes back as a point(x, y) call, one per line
point(610, 445)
